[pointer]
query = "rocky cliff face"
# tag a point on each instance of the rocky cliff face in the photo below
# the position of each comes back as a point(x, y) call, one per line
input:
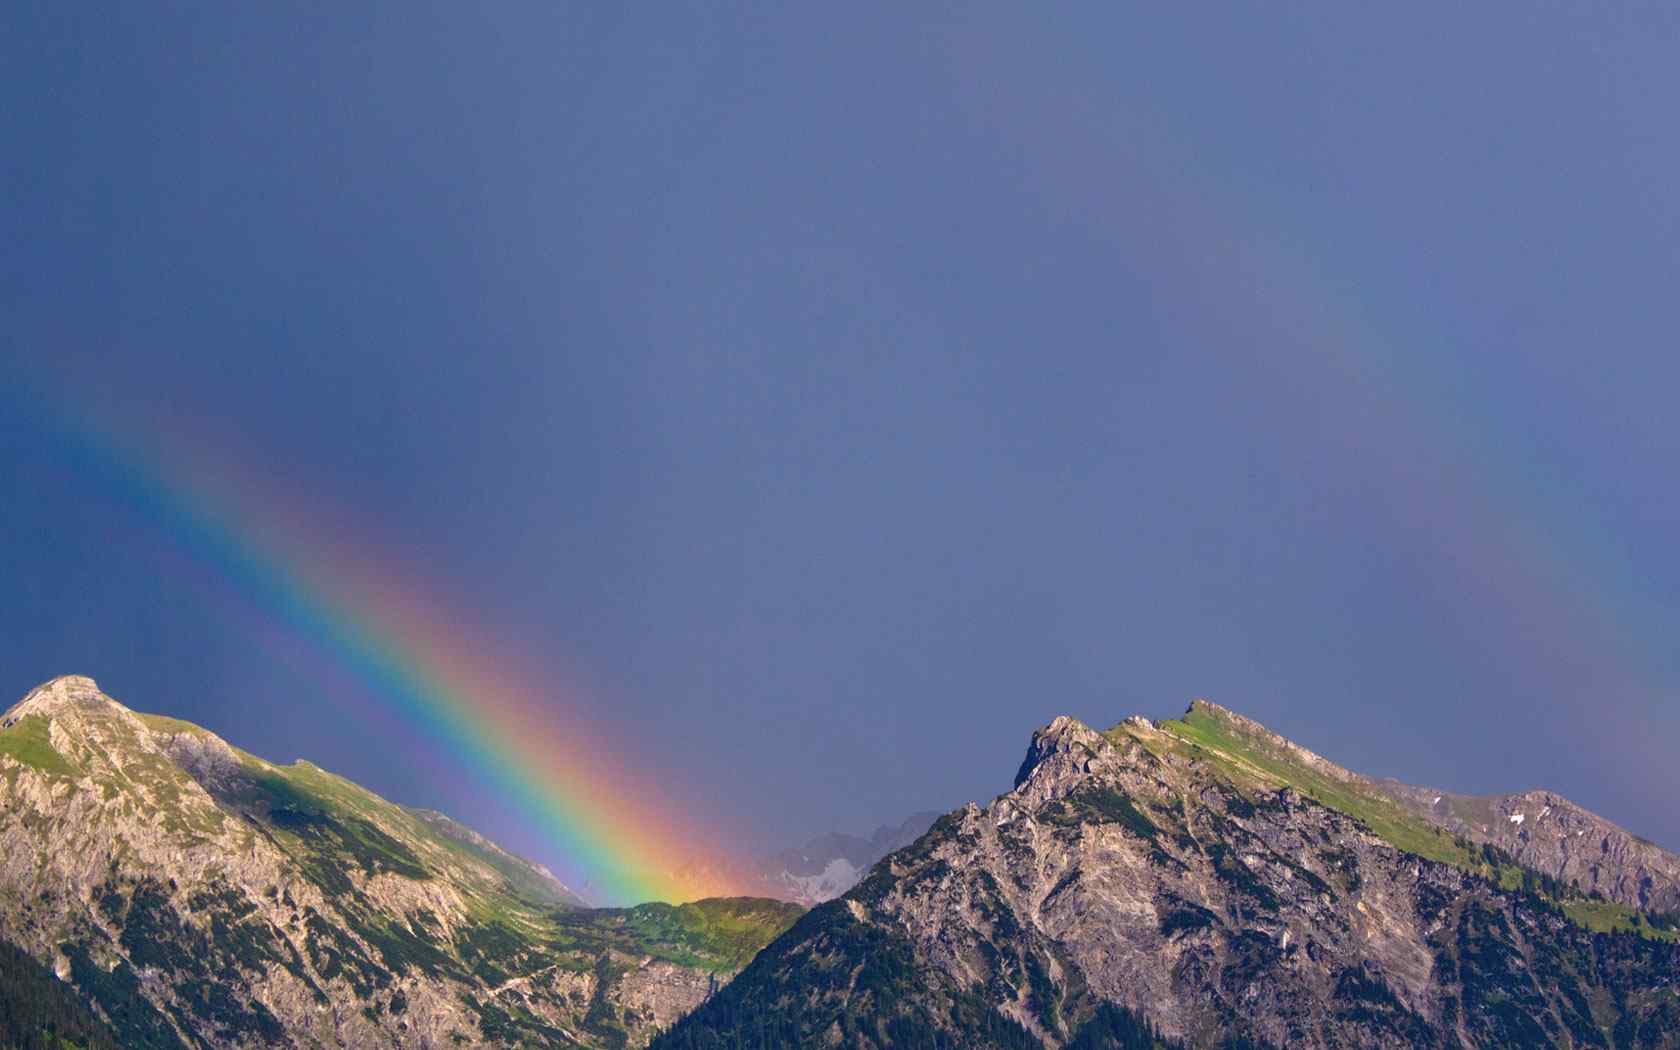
point(1216, 880)
point(1551, 834)
point(196, 895)
point(1540, 830)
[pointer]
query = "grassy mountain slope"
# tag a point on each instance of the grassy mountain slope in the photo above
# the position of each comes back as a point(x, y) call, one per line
point(1251, 755)
point(198, 895)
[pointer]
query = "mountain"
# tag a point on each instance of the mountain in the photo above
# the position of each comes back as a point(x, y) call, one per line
point(820, 870)
point(831, 864)
point(194, 895)
point(1204, 882)
point(1539, 830)
point(1549, 833)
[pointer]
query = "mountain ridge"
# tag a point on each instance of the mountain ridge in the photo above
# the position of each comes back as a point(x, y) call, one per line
point(198, 896)
point(1222, 885)
point(1191, 882)
point(1577, 847)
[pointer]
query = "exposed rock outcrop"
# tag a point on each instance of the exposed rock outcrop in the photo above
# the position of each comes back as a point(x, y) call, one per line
point(199, 896)
point(1185, 871)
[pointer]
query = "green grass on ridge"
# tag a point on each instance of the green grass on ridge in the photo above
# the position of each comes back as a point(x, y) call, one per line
point(1254, 763)
point(1249, 761)
point(165, 724)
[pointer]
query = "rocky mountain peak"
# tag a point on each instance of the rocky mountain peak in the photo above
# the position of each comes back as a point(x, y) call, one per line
point(65, 693)
point(77, 728)
point(1066, 739)
point(98, 736)
point(199, 896)
point(1220, 881)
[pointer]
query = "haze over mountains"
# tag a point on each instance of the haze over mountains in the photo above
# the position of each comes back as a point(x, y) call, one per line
point(820, 870)
point(1193, 882)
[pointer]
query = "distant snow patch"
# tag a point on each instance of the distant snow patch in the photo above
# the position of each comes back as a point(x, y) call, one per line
point(1516, 818)
point(1543, 812)
point(1437, 801)
point(830, 883)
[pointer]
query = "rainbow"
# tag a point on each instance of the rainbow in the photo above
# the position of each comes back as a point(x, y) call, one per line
point(527, 740)
point(1488, 518)
point(1453, 472)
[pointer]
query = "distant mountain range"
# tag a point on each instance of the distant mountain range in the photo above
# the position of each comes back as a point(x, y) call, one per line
point(1197, 882)
point(820, 870)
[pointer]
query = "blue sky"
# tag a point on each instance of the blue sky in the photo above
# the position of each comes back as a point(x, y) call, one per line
point(842, 393)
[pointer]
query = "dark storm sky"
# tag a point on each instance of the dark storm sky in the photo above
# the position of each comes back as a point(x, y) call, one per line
point(839, 392)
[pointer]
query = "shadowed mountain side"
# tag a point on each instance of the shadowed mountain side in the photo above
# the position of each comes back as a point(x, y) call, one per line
point(40, 1012)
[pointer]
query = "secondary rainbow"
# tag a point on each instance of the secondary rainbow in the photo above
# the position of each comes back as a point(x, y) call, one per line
point(1489, 517)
